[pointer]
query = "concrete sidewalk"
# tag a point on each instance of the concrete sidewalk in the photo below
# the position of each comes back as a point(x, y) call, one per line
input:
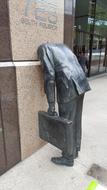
point(38, 173)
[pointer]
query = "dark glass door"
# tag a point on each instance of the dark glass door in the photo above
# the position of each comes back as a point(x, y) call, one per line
point(94, 49)
point(98, 55)
point(90, 32)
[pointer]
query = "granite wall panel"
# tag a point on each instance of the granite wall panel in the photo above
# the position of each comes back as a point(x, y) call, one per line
point(31, 99)
point(5, 39)
point(10, 121)
point(33, 22)
point(2, 147)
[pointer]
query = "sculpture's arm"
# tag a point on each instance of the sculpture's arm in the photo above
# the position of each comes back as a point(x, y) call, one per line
point(50, 93)
point(49, 77)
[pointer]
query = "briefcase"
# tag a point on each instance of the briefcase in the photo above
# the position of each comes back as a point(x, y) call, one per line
point(56, 130)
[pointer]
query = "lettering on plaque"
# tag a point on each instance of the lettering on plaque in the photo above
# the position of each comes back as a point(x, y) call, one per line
point(43, 13)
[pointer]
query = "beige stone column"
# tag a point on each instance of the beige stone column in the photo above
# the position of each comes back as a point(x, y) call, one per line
point(32, 22)
point(31, 99)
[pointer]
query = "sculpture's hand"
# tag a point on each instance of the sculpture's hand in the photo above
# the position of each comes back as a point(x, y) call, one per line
point(51, 110)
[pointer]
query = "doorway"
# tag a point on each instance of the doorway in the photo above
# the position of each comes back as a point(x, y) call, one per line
point(95, 49)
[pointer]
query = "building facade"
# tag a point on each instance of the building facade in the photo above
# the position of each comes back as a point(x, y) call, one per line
point(24, 25)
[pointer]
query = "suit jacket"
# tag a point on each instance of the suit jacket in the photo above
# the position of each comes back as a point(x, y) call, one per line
point(61, 66)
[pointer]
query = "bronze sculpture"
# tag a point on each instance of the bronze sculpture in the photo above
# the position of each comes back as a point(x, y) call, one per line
point(62, 70)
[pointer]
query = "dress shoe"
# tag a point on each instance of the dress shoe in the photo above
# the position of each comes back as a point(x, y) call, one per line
point(62, 161)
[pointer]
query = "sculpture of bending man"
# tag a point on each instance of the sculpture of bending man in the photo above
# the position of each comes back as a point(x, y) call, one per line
point(62, 70)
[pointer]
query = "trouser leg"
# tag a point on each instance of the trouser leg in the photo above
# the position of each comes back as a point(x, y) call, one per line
point(78, 122)
point(68, 111)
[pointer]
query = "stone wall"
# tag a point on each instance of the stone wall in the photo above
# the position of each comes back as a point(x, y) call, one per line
point(31, 99)
point(33, 22)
